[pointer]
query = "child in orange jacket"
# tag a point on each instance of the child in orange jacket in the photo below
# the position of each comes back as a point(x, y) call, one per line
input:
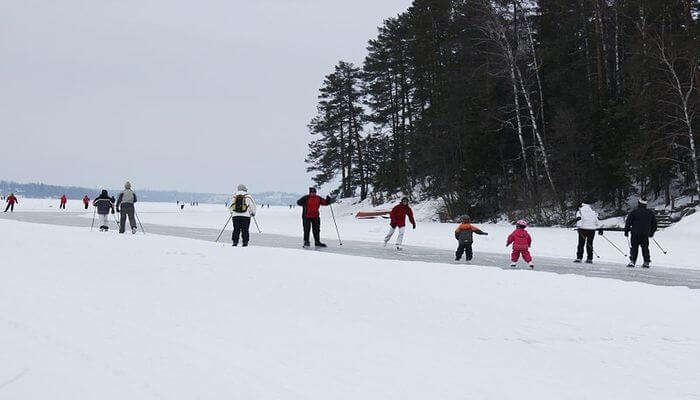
point(521, 241)
point(465, 238)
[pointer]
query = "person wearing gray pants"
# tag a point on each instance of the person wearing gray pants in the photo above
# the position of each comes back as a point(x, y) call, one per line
point(125, 208)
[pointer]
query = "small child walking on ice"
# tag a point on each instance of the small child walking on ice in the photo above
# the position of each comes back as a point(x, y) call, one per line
point(521, 241)
point(465, 238)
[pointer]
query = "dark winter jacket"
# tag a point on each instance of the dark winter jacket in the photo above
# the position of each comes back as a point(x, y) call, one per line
point(641, 222)
point(104, 203)
point(465, 232)
point(311, 203)
point(398, 216)
point(520, 238)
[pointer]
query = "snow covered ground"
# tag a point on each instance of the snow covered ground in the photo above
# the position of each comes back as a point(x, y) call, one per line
point(680, 240)
point(92, 315)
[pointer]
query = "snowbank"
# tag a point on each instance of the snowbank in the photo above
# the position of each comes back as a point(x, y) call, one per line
point(95, 315)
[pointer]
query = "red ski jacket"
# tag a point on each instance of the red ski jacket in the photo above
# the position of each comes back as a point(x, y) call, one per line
point(11, 199)
point(311, 204)
point(520, 238)
point(398, 216)
point(86, 200)
point(63, 199)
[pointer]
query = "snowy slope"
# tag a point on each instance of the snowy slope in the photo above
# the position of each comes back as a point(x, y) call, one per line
point(90, 315)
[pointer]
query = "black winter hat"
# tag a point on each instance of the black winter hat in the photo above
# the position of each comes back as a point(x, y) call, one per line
point(312, 190)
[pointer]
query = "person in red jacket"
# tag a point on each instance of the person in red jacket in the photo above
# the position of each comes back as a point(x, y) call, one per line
point(398, 220)
point(311, 217)
point(86, 201)
point(11, 200)
point(64, 200)
point(521, 241)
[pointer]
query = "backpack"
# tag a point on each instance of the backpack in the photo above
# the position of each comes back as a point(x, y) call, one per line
point(466, 236)
point(239, 204)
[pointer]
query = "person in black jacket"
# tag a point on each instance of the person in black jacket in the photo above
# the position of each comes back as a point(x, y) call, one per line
point(642, 223)
point(104, 205)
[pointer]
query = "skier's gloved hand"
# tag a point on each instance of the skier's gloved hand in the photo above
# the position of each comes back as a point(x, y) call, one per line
point(600, 232)
point(330, 200)
point(252, 214)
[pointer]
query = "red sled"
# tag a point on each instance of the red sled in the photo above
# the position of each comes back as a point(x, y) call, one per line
point(372, 214)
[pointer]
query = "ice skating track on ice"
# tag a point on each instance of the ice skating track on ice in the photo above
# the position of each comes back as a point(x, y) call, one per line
point(657, 275)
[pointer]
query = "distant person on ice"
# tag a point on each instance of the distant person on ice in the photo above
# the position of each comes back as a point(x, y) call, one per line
point(642, 223)
point(86, 201)
point(11, 200)
point(587, 223)
point(521, 241)
point(242, 209)
point(465, 237)
point(125, 208)
point(104, 205)
point(64, 200)
point(311, 217)
point(398, 220)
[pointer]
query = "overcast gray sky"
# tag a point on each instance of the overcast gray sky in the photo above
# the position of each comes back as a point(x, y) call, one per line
point(171, 94)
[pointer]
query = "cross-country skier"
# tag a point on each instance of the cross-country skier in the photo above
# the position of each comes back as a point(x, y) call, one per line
point(642, 223)
point(11, 200)
point(125, 208)
point(64, 200)
point(398, 220)
point(86, 201)
point(104, 205)
point(242, 209)
point(521, 241)
point(465, 237)
point(587, 223)
point(311, 217)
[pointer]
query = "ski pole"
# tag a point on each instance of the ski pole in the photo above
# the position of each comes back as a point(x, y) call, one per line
point(93, 219)
point(596, 254)
point(659, 246)
point(222, 230)
point(256, 224)
point(336, 224)
point(615, 246)
point(139, 221)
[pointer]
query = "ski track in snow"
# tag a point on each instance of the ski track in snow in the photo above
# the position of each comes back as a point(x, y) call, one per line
point(657, 275)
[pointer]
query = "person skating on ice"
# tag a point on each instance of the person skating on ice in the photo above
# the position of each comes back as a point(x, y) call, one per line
point(11, 200)
point(311, 217)
point(641, 222)
point(521, 241)
point(242, 210)
point(586, 224)
point(104, 204)
point(398, 221)
point(126, 209)
point(465, 237)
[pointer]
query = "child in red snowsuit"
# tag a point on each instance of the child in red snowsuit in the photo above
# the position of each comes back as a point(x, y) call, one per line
point(521, 241)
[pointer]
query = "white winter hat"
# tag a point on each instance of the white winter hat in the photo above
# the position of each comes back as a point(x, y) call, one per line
point(127, 185)
point(242, 188)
